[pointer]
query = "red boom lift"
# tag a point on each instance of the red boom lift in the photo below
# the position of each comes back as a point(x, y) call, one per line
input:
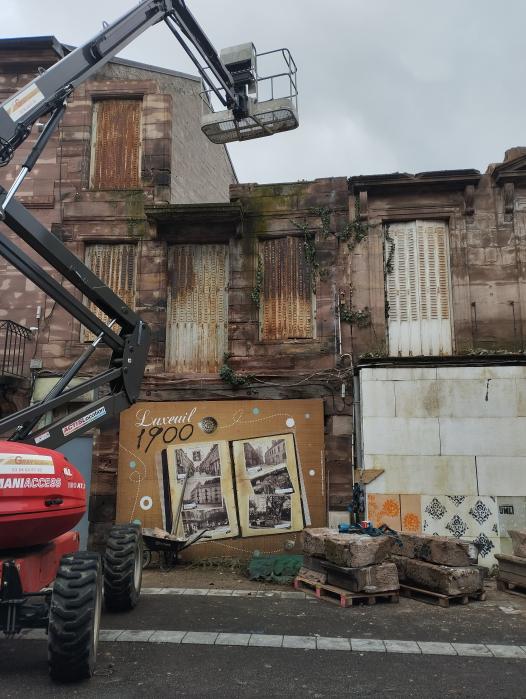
point(45, 581)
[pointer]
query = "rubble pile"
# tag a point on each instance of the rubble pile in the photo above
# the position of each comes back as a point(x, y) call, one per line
point(353, 562)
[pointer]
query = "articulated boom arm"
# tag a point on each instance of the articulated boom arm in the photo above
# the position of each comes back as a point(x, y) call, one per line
point(47, 94)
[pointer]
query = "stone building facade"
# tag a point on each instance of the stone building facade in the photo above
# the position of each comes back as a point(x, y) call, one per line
point(442, 376)
point(355, 291)
point(130, 138)
point(286, 291)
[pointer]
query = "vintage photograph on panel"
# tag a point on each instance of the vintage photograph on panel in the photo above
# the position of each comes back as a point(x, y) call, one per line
point(198, 460)
point(264, 454)
point(269, 512)
point(275, 482)
point(198, 472)
point(268, 484)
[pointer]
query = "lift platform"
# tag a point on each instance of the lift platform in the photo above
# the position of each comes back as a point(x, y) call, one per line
point(269, 86)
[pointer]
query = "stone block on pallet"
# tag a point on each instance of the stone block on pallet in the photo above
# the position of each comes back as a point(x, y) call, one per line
point(314, 540)
point(514, 565)
point(443, 550)
point(448, 580)
point(382, 577)
point(313, 575)
point(314, 563)
point(518, 541)
point(357, 550)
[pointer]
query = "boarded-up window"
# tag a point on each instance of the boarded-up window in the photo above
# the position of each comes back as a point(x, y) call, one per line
point(287, 298)
point(197, 329)
point(115, 265)
point(116, 144)
point(418, 289)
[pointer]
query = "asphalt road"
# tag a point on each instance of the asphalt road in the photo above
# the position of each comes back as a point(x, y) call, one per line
point(169, 670)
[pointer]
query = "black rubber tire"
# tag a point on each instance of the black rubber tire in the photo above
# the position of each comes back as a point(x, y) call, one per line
point(74, 617)
point(123, 567)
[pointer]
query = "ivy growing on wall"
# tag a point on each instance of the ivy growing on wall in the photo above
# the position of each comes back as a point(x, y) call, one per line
point(390, 246)
point(389, 241)
point(255, 294)
point(352, 233)
point(230, 376)
point(360, 318)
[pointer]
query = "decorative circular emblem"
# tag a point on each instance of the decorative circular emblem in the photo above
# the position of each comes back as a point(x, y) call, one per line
point(208, 424)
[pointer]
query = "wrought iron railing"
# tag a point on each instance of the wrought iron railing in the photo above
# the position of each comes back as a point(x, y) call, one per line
point(13, 340)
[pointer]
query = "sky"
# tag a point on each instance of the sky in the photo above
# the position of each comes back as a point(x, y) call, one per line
point(385, 85)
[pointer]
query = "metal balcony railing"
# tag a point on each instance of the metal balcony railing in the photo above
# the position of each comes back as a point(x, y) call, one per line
point(13, 340)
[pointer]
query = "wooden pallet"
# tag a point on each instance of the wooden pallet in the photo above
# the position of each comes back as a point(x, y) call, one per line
point(341, 597)
point(511, 587)
point(438, 598)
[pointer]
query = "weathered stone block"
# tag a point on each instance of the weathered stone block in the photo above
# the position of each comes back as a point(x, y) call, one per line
point(448, 580)
point(357, 550)
point(313, 563)
point(512, 565)
point(342, 425)
point(518, 541)
point(442, 550)
point(376, 578)
point(313, 575)
point(314, 540)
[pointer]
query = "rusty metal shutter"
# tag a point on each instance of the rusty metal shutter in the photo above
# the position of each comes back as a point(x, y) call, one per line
point(116, 147)
point(115, 265)
point(287, 302)
point(418, 289)
point(197, 329)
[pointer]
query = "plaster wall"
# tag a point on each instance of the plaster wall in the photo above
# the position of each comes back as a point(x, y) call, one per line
point(447, 433)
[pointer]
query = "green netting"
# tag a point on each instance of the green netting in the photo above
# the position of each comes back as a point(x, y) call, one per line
point(281, 568)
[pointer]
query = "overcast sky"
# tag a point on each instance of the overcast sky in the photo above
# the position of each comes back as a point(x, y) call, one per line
point(385, 85)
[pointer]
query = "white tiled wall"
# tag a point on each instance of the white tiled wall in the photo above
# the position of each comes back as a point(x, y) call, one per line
point(449, 431)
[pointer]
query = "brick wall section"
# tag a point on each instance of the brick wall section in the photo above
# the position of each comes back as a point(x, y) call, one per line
point(201, 172)
point(178, 164)
point(271, 211)
point(267, 211)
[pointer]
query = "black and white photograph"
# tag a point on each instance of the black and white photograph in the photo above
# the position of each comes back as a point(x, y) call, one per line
point(264, 455)
point(275, 482)
point(198, 461)
point(269, 512)
point(198, 474)
point(210, 518)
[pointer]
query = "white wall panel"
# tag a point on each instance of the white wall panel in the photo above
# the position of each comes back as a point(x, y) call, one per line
point(447, 398)
point(466, 373)
point(370, 374)
point(483, 436)
point(379, 399)
point(478, 398)
point(384, 435)
point(417, 398)
point(499, 475)
point(423, 474)
point(411, 374)
point(440, 426)
point(521, 397)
